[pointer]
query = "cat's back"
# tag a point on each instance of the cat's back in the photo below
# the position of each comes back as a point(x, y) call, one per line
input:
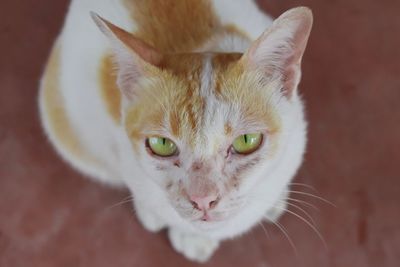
point(183, 26)
point(169, 25)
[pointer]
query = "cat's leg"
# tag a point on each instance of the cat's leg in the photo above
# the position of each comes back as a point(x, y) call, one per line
point(195, 247)
point(279, 208)
point(150, 221)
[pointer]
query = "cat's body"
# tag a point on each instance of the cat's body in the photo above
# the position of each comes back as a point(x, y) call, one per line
point(102, 132)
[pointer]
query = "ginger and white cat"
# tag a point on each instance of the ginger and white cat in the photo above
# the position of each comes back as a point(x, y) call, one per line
point(191, 104)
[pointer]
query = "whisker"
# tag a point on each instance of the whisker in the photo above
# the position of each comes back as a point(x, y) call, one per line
point(303, 202)
point(302, 210)
point(310, 225)
point(123, 201)
point(264, 229)
point(283, 230)
point(312, 195)
point(304, 185)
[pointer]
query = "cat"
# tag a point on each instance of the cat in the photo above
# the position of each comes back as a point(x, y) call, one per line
point(192, 105)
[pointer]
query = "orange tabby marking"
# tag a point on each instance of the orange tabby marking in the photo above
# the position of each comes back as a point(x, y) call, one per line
point(232, 29)
point(174, 26)
point(55, 113)
point(170, 26)
point(174, 95)
point(177, 97)
point(109, 89)
point(228, 129)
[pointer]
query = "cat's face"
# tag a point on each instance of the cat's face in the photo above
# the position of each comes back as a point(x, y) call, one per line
point(202, 125)
point(207, 128)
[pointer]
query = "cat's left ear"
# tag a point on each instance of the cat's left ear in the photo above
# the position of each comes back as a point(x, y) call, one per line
point(277, 53)
point(134, 57)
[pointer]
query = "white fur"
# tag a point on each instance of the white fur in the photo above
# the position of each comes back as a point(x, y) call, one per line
point(244, 14)
point(83, 45)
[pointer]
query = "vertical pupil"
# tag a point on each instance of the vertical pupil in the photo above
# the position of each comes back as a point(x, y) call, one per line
point(245, 138)
point(163, 141)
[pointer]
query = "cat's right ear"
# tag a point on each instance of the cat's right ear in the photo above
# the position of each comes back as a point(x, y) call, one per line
point(277, 53)
point(135, 59)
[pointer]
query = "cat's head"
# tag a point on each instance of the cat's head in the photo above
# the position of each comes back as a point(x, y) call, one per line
point(207, 127)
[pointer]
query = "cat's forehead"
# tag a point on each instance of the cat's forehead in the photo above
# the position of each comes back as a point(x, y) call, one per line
point(194, 66)
point(198, 109)
point(200, 100)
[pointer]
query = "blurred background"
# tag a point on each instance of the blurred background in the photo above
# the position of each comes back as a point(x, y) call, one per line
point(51, 215)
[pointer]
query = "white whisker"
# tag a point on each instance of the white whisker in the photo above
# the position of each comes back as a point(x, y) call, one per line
point(312, 195)
point(283, 230)
point(304, 185)
point(302, 210)
point(310, 225)
point(303, 202)
point(264, 229)
point(123, 201)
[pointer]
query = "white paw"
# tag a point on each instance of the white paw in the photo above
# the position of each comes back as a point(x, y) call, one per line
point(279, 208)
point(150, 221)
point(194, 247)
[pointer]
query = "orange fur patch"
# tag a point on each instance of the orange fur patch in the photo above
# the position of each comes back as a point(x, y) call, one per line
point(54, 113)
point(109, 90)
point(175, 97)
point(227, 128)
point(223, 63)
point(188, 103)
point(236, 84)
point(233, 30)
point(175, 100)
point(171, 96)
point(174, 26)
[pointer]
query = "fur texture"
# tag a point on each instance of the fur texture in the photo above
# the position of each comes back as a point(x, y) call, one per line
point(200, 73)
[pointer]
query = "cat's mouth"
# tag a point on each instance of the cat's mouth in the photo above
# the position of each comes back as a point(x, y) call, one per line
point(210, 219)
point(207, 217)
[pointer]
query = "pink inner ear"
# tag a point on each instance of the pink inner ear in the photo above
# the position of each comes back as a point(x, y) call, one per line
point(140, 48)
point(278, 52)
point(143, 50)
point(289, 81)
point(127, 79)
point(292, 72)
point(133, 56)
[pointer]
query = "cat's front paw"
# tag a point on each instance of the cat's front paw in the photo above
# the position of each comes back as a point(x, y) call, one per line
point(150, 221)
point(194, 247)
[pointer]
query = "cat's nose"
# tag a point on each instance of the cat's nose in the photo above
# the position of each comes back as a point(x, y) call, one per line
point(204, 203)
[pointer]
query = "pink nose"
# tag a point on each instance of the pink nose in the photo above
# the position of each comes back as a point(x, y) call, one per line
point(204, 203)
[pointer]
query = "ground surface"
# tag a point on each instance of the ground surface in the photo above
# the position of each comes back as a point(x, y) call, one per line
point(52, 216)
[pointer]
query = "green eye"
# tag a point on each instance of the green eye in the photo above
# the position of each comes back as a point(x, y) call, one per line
point(247, 143)
point(162, 146)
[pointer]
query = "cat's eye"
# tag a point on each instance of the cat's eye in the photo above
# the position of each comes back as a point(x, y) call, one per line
point(247, 143)
point(162, 146)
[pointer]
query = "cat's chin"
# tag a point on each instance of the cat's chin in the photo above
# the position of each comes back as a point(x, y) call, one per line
point(208, 225)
